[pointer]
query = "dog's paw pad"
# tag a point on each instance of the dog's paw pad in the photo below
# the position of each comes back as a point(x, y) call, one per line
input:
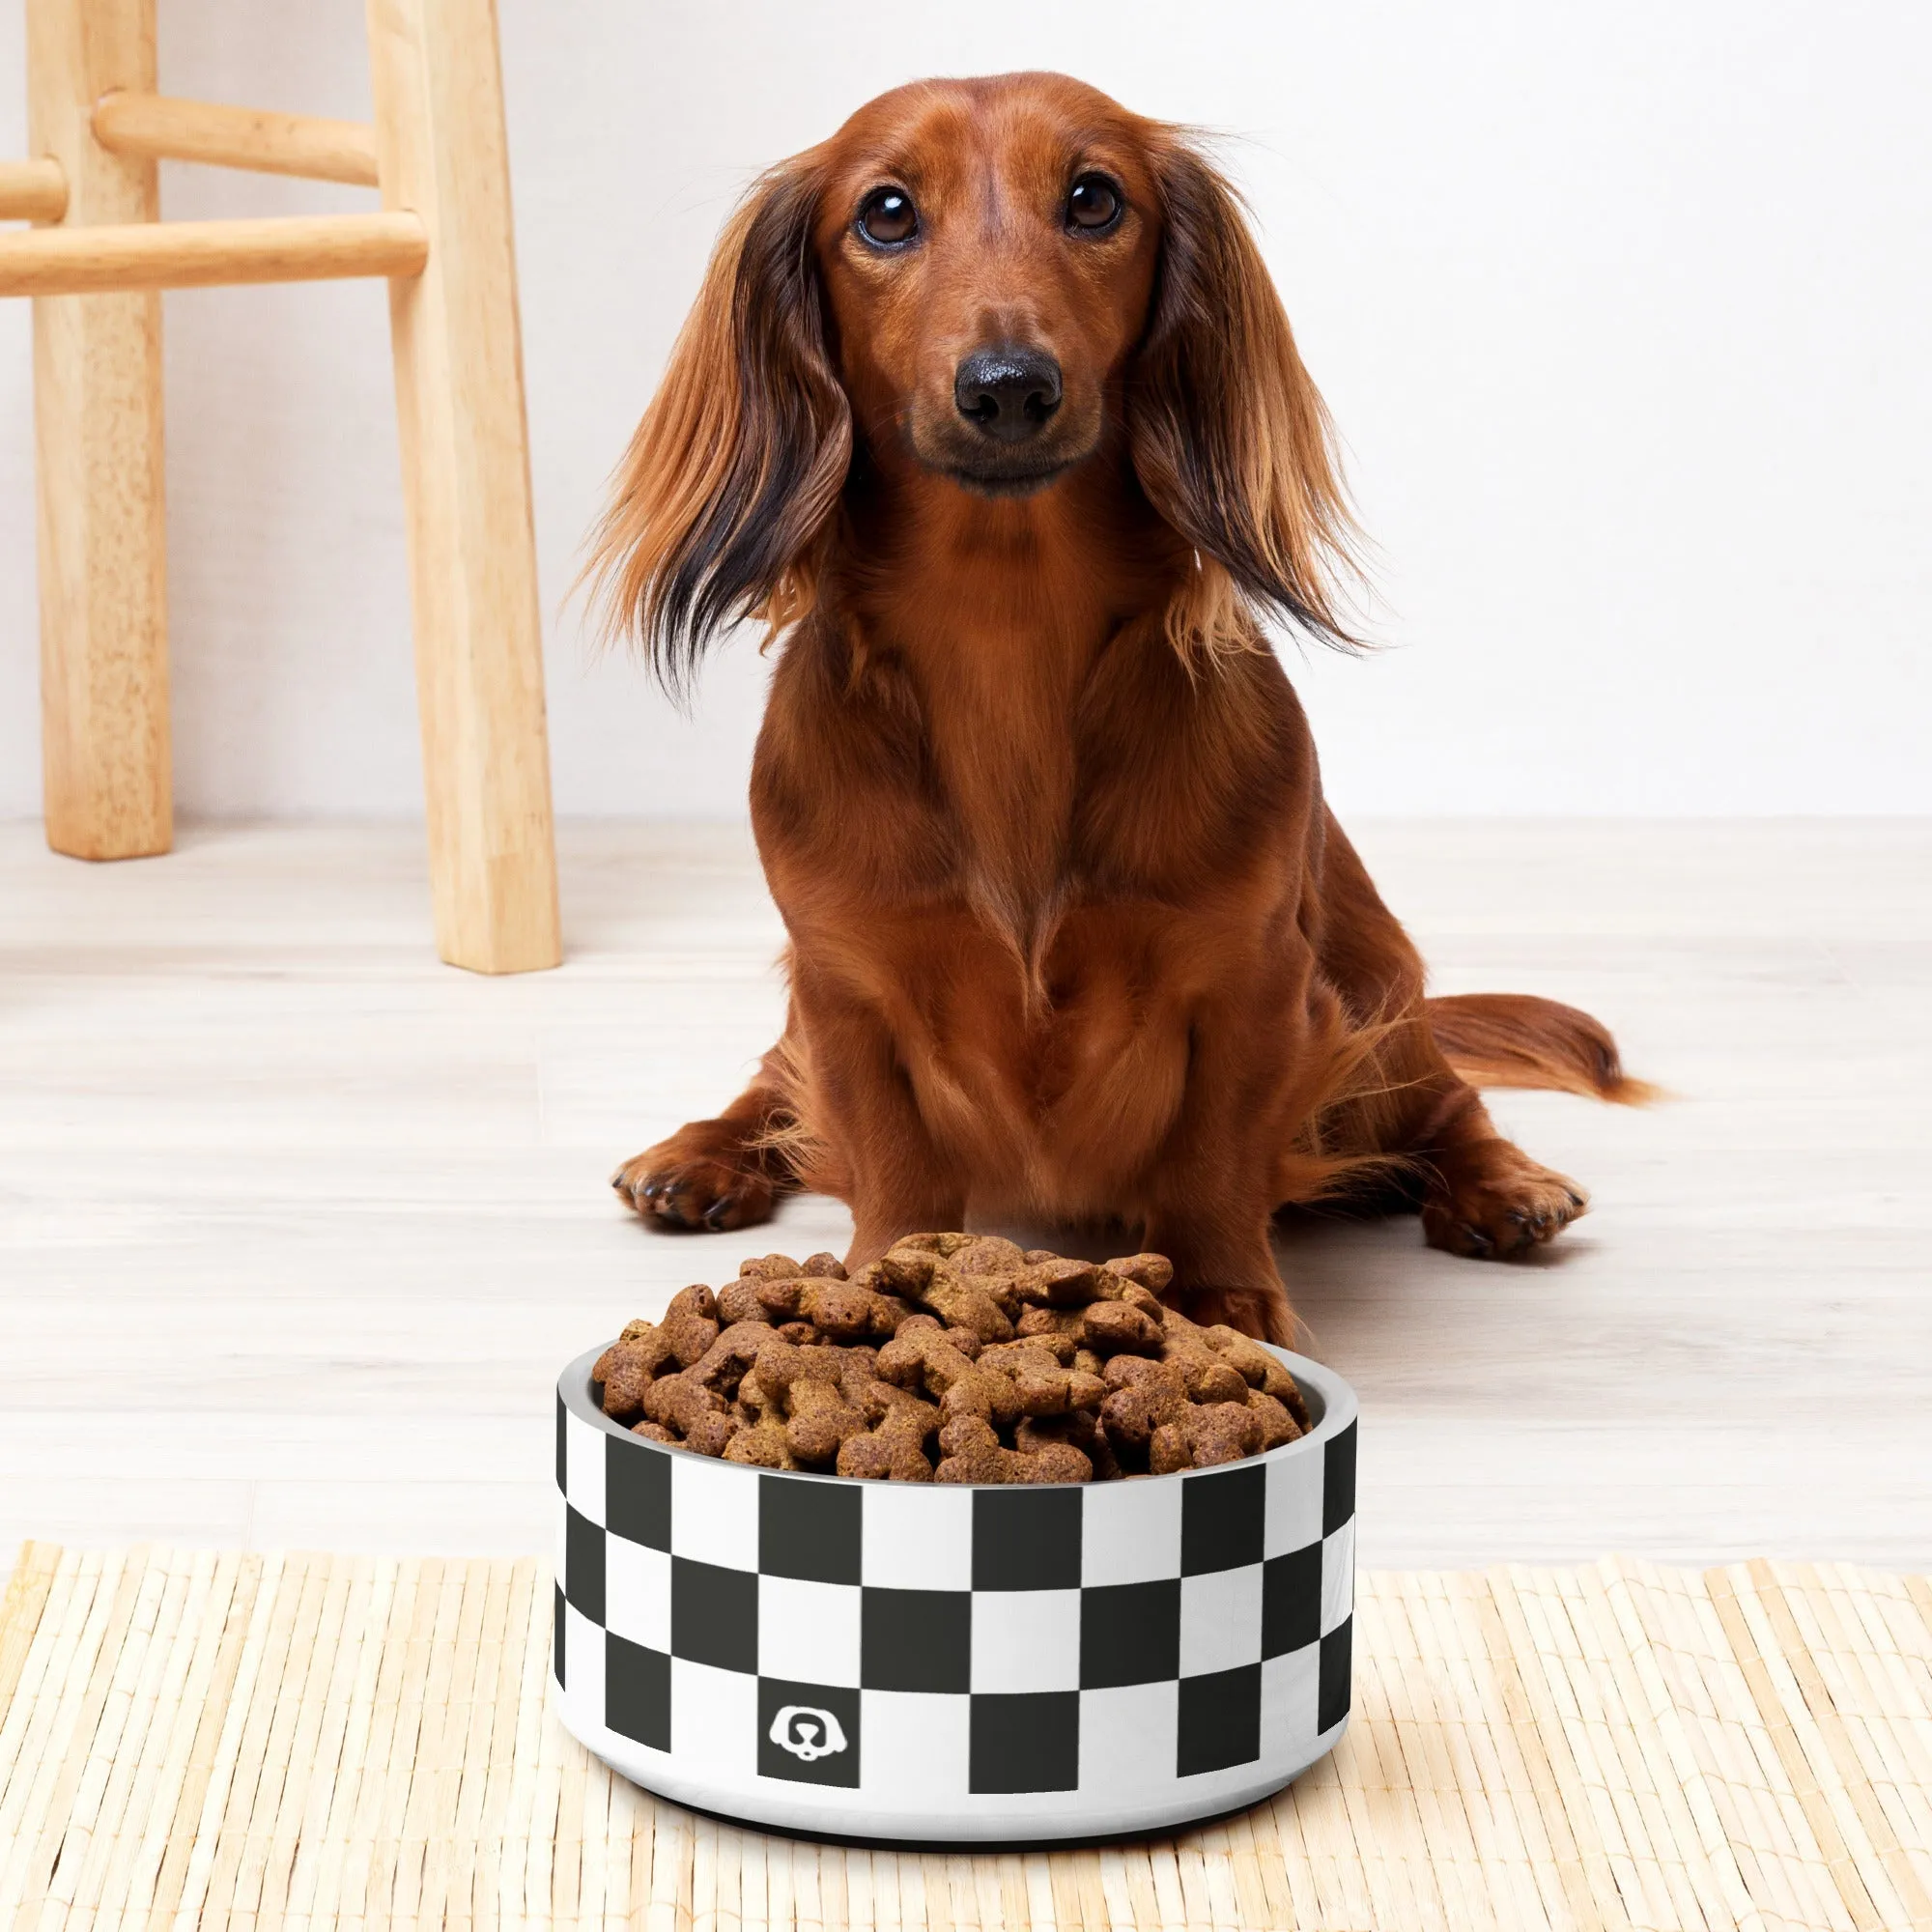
point(702, 1195)
point(1498, 1205)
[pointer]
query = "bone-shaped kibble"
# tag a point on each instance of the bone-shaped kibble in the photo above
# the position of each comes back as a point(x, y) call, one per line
point(1153, 1273)
point(1278, 1426)
point(964, 1340)
point(859, 1377)
point(1258, 1368)
point(690, 1324)
point(893, 1450)
point(839, 1309)
point(989, 1255)
point(972, 1452)
point(807, 1382)
point(917, 1276)
point(1118, 1327)
point(1131, 1416)
point(1054, 1326)
point(922, 1357)
point(963, 1304)
point(1204, 1435)
point(627, 1368)
point(1213, 1381)
point(762, 1445)
point(1185, 1344)
point(1131, 1371)
point(903, 1271)
point(1078, 1428)
point(942, 1245)
point(781, 1364)
point(769, 1267)
point(1147, 1395)
point(821, 1421)
point(756, 1400)
point(724, 1364)
point(679, 1400)
point(1078, 1366)
point(1062, 1284)
point(698, 1414)
point(1042, 1383)
point(738, 1300)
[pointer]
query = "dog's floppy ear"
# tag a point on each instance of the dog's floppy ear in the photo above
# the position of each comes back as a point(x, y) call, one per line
point(731, 478)
point(1230, 436)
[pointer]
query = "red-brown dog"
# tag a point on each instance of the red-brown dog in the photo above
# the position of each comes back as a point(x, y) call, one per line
point(989, 407)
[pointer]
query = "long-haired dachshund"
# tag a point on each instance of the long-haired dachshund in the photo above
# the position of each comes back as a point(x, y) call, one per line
point(989, 411)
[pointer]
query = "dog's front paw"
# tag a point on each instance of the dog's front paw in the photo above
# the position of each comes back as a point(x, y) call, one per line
point(1495, 1203)
point(675, 1188)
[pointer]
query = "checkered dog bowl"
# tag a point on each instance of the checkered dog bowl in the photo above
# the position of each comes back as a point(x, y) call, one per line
point(926, 1662)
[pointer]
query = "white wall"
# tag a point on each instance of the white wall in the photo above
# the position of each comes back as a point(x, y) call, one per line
point(1621, 309)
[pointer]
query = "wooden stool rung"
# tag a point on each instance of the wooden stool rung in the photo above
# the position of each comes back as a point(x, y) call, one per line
point(163, 128)
point(206, 254)
point(32, 190)
point(443, 238)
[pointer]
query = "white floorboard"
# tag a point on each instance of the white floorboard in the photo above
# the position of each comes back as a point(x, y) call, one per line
point(297, 1225)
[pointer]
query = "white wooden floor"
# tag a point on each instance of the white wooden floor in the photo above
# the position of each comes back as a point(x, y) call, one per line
point(297, 1225)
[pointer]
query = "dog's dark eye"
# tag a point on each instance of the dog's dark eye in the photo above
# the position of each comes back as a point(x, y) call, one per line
point(889, 217)
point(1094, 204)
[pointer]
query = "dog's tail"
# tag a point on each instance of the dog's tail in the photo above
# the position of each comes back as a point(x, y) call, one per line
point(1515, 1039)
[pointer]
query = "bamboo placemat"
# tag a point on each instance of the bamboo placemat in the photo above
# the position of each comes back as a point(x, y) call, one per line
point(249, 1743)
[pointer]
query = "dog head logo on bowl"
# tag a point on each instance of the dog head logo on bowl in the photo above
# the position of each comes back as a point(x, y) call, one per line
point(807, 1732)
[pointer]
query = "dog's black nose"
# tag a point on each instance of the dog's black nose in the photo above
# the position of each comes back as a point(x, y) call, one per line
point(1008, 393)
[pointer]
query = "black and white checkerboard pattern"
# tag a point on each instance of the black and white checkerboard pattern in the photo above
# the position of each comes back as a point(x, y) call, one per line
point(1113, 1639)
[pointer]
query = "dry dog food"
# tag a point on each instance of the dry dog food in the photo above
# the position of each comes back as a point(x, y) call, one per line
point(956, 1359)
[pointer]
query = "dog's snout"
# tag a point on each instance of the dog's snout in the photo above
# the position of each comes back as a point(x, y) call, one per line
point(1007, 392)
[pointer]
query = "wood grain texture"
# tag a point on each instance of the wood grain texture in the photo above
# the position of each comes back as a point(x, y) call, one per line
point(345, 1212)
point(467, 485)
point(33, 190)
point(210, 255)
point(97, 459)
point(161, 128)
point(327, 1743)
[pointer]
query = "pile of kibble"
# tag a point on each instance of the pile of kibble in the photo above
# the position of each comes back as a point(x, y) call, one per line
point(964, 1351)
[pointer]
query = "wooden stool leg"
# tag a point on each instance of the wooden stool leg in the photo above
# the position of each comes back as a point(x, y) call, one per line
point(98, 452)
point(465, 474)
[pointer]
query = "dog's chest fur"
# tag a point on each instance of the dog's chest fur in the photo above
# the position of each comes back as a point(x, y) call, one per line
point(1011, 876)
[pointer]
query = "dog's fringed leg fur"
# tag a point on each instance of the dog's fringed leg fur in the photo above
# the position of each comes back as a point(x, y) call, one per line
point(713, 1175)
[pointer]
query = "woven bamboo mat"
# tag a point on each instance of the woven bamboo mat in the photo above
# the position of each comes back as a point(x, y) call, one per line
point(295, 1743)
